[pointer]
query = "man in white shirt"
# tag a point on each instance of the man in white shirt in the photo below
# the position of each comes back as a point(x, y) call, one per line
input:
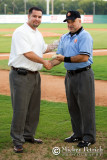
point(26, 59)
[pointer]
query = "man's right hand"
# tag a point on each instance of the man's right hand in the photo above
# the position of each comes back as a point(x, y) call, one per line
point(47, 64)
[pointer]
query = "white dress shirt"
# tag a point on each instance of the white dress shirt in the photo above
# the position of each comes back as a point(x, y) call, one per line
point(24, 40)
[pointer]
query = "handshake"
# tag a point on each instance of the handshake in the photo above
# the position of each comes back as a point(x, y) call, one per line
point(47, 64)
point(56, 59)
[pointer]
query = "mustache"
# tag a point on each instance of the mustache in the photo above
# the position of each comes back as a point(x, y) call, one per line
point(70, 26)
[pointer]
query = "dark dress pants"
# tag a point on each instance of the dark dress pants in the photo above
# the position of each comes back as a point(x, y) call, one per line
point(81, 103)
point(25, 96)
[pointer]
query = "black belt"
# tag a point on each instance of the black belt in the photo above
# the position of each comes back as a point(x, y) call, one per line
point(24, 71)
point(78, 70)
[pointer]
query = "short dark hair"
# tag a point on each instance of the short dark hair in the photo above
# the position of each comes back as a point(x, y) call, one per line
point(34, 8)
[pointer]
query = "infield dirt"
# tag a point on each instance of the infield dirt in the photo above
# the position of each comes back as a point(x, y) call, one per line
point(53, 89)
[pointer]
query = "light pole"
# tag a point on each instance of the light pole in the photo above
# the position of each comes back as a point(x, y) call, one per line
point(63, 6)
point(25, 5)
point(93, 8)
point(52, 1)
point(13, 6)
point(5, 5)
point(47, 6)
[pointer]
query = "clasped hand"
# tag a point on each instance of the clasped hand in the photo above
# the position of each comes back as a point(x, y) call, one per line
point(60, 58)
point(47, 64)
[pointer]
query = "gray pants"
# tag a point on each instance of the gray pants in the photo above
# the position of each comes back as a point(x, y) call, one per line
point(25, 96)
point(81, 103)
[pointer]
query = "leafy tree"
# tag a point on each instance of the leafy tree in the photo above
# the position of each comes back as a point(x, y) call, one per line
point(80, 11)
point(84, 6)
point(63, 11)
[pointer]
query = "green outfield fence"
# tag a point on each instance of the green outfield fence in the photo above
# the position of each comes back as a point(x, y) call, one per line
point(100, 19)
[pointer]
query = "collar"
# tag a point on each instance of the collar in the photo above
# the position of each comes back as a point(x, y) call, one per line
point(77, 32)
point(30, 28)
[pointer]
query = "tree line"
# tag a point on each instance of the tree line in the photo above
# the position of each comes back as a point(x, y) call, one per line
point(88, 7)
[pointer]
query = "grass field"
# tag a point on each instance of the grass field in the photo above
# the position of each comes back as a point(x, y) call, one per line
point(55, 25)
point(56, 126)
point(98, 36)
point(99, 67)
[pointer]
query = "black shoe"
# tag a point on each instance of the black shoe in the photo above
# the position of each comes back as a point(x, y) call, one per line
point(33, 140)
point(18, 149)
point(73, 139)
point(85, 144)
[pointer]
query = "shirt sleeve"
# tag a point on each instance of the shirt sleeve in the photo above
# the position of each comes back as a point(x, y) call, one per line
point(60, 47)
point(86, 44)
point(21, 43)
point(44, 46)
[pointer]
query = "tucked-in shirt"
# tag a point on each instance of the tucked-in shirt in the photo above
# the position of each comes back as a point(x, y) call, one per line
point(79, 43)
point(24, 40)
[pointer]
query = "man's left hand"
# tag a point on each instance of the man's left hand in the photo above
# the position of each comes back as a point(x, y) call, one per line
point(60, 58)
